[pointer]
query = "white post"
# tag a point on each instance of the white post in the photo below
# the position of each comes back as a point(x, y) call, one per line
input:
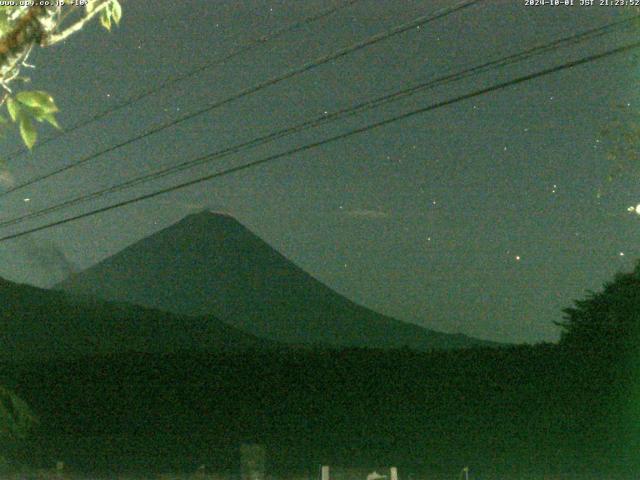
point(325, 472)
point(394, 473)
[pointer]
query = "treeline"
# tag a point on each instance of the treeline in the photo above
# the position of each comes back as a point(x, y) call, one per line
point(547, 410)
point(524, 409)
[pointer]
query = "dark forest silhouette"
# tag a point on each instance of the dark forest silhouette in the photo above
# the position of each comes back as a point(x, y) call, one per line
point(541, 409)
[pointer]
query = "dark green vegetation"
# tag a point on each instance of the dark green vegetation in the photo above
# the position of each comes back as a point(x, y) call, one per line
point(17, 422)
point(568, 409)
point(210, 264)
point(41, 324)
point(517, 410)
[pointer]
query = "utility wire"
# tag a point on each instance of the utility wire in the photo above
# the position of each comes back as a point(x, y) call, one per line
point(334, 138)
point(185, 76)
point(318, 121)
point(291, 73)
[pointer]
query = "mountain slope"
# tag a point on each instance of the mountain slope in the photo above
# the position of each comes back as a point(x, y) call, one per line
point(41, 324)
point(208, 263)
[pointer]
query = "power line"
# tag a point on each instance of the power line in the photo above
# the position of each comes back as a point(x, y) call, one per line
point(319, 143)
point(346, 112)
point(291, 73)
point(191, 73)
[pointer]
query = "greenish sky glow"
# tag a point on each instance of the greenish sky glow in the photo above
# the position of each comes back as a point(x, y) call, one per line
point(481, 217)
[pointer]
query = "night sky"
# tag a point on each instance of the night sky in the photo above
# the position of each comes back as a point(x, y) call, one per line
point(482, 217)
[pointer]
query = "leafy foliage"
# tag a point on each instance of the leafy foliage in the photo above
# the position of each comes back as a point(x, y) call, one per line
point(27, 107)
point(511, 412)
point(603, 330)
point(112, 13)
point(16, 419)
point(609, 319)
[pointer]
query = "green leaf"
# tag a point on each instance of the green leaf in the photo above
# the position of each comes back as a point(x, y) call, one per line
point(37, 99)
point(51, 119)
point(35, 113)
point(28, 132)
point(92, 4)
point(105, 18)
point(14, 109)
point(116, 11)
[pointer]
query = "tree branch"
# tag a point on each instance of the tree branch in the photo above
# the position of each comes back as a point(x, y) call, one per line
point(59, 37)
point(28, 31)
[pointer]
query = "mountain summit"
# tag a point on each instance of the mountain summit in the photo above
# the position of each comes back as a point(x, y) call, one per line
point(210, 264)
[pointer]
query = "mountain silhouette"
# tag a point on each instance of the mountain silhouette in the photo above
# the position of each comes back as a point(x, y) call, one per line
point(210, 264)
point(39, 324)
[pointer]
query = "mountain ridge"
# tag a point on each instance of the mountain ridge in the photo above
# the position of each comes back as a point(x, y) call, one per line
point(37, 323)
point(209, 263)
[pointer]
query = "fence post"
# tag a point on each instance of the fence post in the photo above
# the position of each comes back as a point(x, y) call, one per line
point(325, 472)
